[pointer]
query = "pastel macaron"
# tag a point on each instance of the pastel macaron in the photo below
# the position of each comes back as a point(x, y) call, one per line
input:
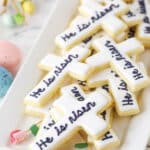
point(6, 79)
point(10, 56)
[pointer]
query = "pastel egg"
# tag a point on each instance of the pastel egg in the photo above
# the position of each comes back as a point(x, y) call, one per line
point(8, 20)
point(28, 7)
point(10, 56)
point(19, 19)
point(6, 79)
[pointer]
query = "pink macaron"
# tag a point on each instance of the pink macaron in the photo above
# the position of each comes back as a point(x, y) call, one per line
point(10, 56)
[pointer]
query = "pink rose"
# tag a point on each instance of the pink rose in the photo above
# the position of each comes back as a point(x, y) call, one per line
point(17, 136)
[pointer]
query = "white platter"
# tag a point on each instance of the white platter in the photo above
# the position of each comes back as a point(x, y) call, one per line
point(11, 111)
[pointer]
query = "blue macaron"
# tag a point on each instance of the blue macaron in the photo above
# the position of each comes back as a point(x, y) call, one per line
point(6, 79)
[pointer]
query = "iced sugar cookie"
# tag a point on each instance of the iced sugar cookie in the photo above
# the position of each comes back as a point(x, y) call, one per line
point(87, 7)
point(41, 111)
point(140, 8)
point(125, 101)
point(75, 91)
point(91, 25)
point(10, 56)
point(130, 18)
point(73, 120)
point(41, 94)
point(87, 42)
point(37, 111)
point(56, 114)
point(49, 62)
point(51, 117)
point(108, 141)
point(118, 38)
point(115, 56)
point(77, 70)
point(135, 48)
point(143, 30)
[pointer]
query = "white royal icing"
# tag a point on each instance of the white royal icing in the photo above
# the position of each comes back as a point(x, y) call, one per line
point(77, 70)
point(112, 55)
point(52, 116)
point(140, 8)
point(37, 111)
point(56, 113)
point(135, 48)
point(112, 25)
point(91, 25)
point(118, 38)
point(77, 115)
point(88, 41)
point(87, 7)
point(51, 82)
point(131, 17)
point(109, 140)
point(49, 62)
point(125, 101)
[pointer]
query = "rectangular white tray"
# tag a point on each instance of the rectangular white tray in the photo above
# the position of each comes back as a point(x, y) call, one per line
point(11, 111)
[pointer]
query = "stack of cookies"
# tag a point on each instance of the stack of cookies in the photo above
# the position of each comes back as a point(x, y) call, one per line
point(97, 73)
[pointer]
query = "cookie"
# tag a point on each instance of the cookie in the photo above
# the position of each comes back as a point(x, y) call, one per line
point(125, 101)
point(107, 141)
point(42, 111)
point(77, 114)
point(143, 30)
point(92, 24)
point(37, 111)
point(88, 7)
point(132, 19)
point(41, 94)
point(50, 61)
point(118, 38)
point(115, 57)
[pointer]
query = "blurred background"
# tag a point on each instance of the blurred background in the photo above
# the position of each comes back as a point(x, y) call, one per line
point(24, 35)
